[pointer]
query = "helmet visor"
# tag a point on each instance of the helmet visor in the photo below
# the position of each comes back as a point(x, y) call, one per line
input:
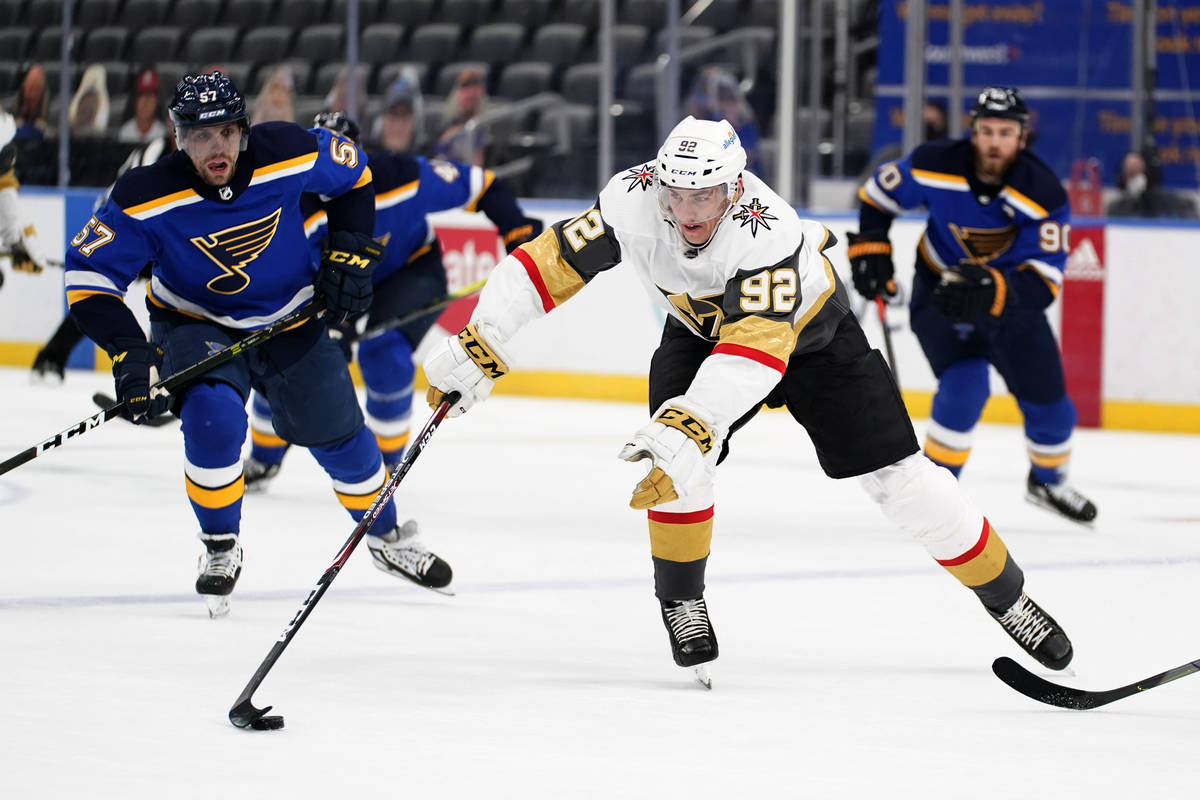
point(689, 207)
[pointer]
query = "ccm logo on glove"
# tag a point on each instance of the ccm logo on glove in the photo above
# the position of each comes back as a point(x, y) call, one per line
point(696, 430)
point(488, 362)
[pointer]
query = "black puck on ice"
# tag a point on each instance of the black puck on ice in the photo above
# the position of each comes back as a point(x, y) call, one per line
point(271, 723)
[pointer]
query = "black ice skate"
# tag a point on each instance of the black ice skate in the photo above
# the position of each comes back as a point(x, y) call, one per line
point(1036, 632)
point(258, 475)
point(693, 642)
point(1061, 498)
point(400, 552)
point(49, 366)
point(220, 567)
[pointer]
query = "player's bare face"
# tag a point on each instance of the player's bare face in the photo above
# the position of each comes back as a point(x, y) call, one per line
point(697, 211)
point(213, 151)
point(997, 143)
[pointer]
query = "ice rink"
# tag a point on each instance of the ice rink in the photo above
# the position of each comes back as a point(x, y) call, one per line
point(851, 665)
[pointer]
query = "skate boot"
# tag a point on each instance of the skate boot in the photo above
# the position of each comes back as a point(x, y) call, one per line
point(258, 475)
point(1061, 498)
point(1036, 632)
point(693, 642)
point(400, 552)
point(220, 567)
point(49, 367)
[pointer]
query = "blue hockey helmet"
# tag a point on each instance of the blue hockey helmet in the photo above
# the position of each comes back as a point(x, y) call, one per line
point(338, 122)
point(204, 100)
point(1001, 102)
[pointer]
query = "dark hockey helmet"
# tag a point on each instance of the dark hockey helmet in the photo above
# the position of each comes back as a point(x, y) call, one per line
point(203, 100)
point(1002, 102)
point(338, 122)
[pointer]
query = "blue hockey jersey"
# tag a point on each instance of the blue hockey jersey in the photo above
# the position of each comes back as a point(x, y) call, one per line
point(236, 255)
point(1020, 228)
point(407, 188)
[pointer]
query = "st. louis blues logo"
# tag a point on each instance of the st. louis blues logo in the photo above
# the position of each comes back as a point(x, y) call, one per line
point(642, 176)
point(754, 214)
point(233, 248)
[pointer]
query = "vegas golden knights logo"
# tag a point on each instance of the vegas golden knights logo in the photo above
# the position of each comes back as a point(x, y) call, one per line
point(233, 248)
point(704, 314)
point(981, 245)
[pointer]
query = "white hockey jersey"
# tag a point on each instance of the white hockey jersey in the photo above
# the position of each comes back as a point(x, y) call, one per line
point(761, 290)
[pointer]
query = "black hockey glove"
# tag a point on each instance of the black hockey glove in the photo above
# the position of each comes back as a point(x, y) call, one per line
point(871, 266)
point(22, 261)
point(344, 279)
point(135, 371)
point(971, 292)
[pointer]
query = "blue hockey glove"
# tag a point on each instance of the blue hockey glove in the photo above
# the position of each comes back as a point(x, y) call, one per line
point(344, 279)
point(135, 371)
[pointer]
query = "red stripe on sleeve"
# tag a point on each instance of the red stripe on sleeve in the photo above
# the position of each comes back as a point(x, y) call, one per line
point(974, 551)
point(766, 359)
point(532, 271)
point(680, 518)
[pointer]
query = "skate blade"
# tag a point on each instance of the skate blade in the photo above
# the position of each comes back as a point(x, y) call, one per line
point(218, 605)
point(702, 677)
point(1033, 499)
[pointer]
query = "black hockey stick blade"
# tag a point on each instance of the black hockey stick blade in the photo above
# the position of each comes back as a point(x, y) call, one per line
point(1044, 691)
point(108, 401)
point(244, 714)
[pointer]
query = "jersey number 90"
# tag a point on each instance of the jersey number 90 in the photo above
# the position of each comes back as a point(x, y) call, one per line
point(1054, 238)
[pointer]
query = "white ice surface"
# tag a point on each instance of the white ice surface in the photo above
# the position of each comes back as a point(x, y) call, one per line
point(851, 665)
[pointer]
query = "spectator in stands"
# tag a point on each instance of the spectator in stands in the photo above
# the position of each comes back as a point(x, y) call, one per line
point(33, 104)
point(88, 112)
point(717, 96)
point(338, 97)
point(277, 100)
point(146, 122)
point(461, 137)
point(1142, 196)
point(398, 129)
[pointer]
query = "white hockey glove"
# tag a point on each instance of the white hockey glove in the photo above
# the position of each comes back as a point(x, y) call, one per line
point(26, 253)
point(683, 451)
point(465, 364)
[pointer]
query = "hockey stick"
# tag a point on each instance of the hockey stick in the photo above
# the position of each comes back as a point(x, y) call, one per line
point(107, 400)
point(244, 714)
point(887, 337)
point(171, 383)
point(404, 319)
point(1044, 691)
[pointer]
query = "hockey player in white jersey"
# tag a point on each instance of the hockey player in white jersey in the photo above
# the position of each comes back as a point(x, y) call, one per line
point(755, 314)
point(18, 236)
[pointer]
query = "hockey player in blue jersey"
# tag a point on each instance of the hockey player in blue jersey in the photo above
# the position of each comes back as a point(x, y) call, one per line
point(221, 221)
point(989, 263)
point(411, 276)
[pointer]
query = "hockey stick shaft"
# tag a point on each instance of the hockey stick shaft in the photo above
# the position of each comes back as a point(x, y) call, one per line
point(1042, 690)
point(171, 383)
point(887, 337)
point(415, 314)
point(243, 713)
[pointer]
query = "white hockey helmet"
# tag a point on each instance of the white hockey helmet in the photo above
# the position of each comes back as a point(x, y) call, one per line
point(699, 154)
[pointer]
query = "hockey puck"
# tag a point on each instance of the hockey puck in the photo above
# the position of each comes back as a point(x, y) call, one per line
point(271, 723)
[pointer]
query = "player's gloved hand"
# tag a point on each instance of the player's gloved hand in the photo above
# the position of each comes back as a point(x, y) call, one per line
point(682, 448)
point(465, 364)
point(344, 279)
point(25, 253)
point(870, 255)
point(526, 232)
point(135, 371)
point(970, 292)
